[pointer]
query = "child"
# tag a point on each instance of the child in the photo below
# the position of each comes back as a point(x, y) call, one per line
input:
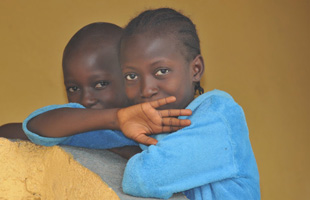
point(210, 159)
point(93, 79)
point(97, 41)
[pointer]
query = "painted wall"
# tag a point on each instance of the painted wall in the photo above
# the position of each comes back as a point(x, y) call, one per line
point(258, 51)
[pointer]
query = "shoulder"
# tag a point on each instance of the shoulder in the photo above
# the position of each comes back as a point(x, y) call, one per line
point(219, 105)
point(215, 100)
point(58, 106)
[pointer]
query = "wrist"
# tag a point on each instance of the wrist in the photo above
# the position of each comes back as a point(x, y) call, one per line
point(103, 119)
point(111, 116)
point(117, 121)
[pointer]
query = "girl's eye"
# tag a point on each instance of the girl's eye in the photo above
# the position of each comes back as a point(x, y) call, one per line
point(73, 89)
point(131, 77)
point(161, 72)
point(101, 84)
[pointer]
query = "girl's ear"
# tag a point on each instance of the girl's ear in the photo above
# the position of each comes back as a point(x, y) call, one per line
point(198, 68)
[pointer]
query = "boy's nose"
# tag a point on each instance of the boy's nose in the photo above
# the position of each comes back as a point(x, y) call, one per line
point(149, 89)
point(88, 100)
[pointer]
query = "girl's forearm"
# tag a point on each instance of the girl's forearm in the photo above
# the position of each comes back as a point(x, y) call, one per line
point(69, 121)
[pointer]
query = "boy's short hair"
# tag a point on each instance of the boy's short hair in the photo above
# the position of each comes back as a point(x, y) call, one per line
point(95, 34)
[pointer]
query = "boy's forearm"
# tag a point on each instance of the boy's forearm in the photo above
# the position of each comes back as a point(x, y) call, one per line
point(69, 121)
point(12, 131)
point(127, 151)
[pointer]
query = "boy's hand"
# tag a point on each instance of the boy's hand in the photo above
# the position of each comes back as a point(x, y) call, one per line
point(138, 121)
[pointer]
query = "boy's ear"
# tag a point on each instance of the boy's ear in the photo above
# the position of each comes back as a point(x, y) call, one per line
point(198, 68)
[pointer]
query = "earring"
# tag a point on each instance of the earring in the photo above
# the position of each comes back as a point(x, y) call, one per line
point(199, 88)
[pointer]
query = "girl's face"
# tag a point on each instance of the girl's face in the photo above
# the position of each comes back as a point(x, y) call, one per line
point(93, 78)
point(155, 67)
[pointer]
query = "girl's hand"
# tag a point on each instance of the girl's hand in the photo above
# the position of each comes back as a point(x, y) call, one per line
point(138, 121)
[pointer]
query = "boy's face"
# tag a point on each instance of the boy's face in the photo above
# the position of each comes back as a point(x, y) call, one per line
point(154, 67)
point(93, 78)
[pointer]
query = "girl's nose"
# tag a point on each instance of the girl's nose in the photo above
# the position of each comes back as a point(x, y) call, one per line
point(88, 99)
point(149, 89)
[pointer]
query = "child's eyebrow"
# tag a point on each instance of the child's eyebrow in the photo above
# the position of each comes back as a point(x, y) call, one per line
point(156, 62)
point(128, 67)
point(104, 75)
point(159, 61)
point(69, 83)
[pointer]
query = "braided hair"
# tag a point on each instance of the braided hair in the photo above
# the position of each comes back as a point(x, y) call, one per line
point(166, 21)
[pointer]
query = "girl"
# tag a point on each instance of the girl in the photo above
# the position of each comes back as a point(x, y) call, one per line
point(210, 159)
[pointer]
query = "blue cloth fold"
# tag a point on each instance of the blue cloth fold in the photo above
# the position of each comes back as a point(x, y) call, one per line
point(210, 159)
point(98, 139)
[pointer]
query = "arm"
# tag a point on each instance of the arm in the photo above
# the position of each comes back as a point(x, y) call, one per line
point(98, 139)
point(199, 154)
point(13, 131)
point(181, 161)
point(135, 121)
point(127, 151)
point(66, 121)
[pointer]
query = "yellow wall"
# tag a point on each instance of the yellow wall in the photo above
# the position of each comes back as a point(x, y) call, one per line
point(258, 51)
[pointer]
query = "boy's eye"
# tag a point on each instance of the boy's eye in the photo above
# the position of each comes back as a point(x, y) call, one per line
point(73, 89)
point(131, 77)
point(101, 84)
point(161, 72)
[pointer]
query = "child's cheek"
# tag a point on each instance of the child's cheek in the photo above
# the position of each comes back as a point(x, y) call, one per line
point(132, 94)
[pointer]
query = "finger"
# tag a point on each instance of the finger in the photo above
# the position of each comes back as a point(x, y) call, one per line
point(175, 112)
point(174, 122)
point(171, 128)
point(160, 102)
point(143, 139)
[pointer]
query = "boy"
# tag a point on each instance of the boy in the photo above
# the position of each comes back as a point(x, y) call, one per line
point(92, 78)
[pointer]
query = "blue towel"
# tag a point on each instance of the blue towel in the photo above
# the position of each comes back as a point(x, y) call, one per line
point(98, 139)
point(210, 159)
